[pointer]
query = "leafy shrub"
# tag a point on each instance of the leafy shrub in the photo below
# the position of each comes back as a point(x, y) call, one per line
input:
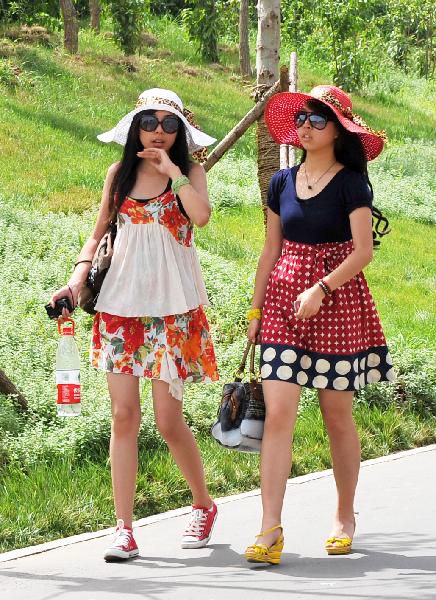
point(10, 420)
point(128, 21)
point(415, 386)
point(13, 75)
point(202, 23)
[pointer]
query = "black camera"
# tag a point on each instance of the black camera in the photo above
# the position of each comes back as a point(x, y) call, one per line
point(54, 313)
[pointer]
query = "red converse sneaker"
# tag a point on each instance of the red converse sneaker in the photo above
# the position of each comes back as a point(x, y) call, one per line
point(199, 528)
point(123, 545)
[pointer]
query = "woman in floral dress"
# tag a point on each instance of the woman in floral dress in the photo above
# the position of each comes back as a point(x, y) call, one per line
point(150, 320)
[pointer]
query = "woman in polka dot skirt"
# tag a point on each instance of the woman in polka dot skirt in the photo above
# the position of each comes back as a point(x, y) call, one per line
point(312, 310)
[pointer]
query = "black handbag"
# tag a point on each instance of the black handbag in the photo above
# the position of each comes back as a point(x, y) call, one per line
point(101, 262)
point(241, 414)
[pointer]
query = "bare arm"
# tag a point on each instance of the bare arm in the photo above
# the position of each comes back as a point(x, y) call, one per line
point(80, 272)
point(194, 196)
point(361, 230)
point(270, 254)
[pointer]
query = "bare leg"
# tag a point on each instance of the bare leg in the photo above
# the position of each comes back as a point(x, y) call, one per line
point(180, 440)
point(336, 408)
point(126, 418)
point(281, 401)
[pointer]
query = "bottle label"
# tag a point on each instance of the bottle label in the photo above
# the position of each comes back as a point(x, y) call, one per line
point(68, 385)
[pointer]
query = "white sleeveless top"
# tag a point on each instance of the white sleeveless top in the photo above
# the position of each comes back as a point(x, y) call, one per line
point(155, 269)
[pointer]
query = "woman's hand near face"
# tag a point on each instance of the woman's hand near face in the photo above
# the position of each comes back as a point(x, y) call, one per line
point(160, 161)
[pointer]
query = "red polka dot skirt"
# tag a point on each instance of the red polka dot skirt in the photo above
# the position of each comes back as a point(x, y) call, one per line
point(343, 346)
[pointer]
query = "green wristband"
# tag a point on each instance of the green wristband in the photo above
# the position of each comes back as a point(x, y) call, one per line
point(178, 183)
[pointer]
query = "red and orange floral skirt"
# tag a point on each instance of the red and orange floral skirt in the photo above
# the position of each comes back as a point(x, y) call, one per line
point(174, 348)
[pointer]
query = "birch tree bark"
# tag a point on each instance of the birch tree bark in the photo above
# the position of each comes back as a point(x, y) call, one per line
point(267, 70)
point(71, 26)
point(244, 46)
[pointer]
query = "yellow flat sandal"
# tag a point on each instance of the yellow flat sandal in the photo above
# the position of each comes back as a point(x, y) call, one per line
point(261, 553)
point(338, 545)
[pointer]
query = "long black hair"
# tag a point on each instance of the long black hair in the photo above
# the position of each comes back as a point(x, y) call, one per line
point(350, 152)
point(125, 177)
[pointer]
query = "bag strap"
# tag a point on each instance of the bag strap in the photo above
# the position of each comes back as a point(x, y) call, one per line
point(240, 370)
point(253, 376)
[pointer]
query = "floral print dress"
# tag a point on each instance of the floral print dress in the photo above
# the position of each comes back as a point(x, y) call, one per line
point(150, 320)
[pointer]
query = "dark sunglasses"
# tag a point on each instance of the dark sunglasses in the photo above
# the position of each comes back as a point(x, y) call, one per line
point(150, 123)
point(317, 121)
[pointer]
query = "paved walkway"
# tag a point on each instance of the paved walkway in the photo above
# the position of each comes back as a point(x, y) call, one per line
point(394, 550)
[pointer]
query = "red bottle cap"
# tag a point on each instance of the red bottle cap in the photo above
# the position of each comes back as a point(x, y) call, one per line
point(67, 327)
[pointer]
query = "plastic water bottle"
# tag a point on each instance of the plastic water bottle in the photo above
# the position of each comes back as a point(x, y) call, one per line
point(67, 371)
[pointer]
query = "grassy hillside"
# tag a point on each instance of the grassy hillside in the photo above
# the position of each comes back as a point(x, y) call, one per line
point(51, 170)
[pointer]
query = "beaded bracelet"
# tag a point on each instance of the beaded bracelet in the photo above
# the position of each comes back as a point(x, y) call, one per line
point(254, 313)
point(325, 288)
point(178, 183)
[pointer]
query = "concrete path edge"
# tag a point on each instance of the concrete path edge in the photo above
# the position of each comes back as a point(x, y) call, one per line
point(75, 539)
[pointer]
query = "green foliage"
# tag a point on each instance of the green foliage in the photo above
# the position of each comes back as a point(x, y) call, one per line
point(10, 420)
point(9, 74)
point(165, 7)
point(40, 12)
point(203, 24)
point(360, 39)
point(128, 21)
point(408, 27)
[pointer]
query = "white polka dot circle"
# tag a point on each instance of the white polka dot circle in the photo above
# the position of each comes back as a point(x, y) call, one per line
point(269, 354)
point(373, 359)
point(284, 372)
point(306, 361)
point(265, 371)
point(340, 383)
point(343, 367)
point(302, 378)
point(322, 365)
point(288, 356)
point(320, 381)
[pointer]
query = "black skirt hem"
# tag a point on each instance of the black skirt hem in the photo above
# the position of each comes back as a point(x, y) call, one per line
point(340, 372)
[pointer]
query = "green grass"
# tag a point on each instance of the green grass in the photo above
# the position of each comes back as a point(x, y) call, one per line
point(63, 498)
point(49, 119)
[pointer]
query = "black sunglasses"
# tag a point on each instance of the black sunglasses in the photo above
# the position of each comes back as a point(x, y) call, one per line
point(317, 121)
point(170, 124)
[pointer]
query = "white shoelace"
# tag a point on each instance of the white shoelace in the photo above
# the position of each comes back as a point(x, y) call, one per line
point(196, 522)
point(122, 536)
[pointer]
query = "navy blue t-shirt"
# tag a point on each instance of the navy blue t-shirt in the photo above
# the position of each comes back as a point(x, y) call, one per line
point(324, 217)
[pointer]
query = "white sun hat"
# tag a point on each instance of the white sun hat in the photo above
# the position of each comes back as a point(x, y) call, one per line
point(159, 99)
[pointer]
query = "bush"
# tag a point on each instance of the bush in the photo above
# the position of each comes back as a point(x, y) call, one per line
point(415, 387)
point(128, 20)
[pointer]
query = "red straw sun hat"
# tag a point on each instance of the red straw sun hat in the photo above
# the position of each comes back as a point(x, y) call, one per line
point(281, 109)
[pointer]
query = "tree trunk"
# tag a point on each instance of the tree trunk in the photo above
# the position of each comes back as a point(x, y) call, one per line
point(95, 10)
point(244, 46)
point(71, 26)
point(8, 389)
point(267, 68)
point(239, 129)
